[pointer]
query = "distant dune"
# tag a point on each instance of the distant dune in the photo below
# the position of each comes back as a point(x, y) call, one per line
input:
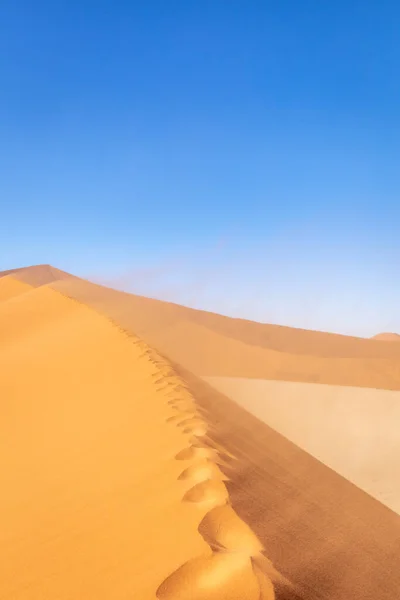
point(387, 337)
point(125, 475)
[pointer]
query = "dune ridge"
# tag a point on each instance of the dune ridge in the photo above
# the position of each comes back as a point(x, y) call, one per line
point(226, 571)
point(237, 568)
point(45, 575)
point(234, 570)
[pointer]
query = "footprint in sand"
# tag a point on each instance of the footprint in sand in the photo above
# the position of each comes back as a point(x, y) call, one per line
point(189, 422)
point(197, 430)
point(219, 576)
point(196, 452)
point(174, 419)
point(209, 493)
point(178, 404)
point(202, 471)
point(223, 529)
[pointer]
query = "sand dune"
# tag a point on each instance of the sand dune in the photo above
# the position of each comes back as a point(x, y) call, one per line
point(124, 475)
point(94, 502)
point(387, 337)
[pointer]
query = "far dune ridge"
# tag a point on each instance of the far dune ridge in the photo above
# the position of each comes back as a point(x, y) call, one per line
point(387, 337)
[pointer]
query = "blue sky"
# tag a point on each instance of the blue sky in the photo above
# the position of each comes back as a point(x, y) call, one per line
point(239, 156)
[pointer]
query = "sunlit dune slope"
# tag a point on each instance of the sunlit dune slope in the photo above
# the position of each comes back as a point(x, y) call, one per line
point(103, 494)
point(11, 287)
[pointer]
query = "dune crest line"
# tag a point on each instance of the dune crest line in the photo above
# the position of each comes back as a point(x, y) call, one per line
point(235, 568)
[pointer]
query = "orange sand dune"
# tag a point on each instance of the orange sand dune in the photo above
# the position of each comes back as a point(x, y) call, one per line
point(124, 475)
point(94, 503)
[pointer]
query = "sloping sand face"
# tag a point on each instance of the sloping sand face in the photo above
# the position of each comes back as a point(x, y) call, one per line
point(11, 287)
point(107, 490)
point(354, 431)
point(332, 540)
point(90, 504)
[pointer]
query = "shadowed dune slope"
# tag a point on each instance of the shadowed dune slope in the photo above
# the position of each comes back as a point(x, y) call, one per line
point(332, 540)
point(37, 275)
point(315, 417)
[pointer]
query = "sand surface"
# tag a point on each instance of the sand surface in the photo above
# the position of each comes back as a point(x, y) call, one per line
point(355, 431)
point(124, 475)
point(95, 502)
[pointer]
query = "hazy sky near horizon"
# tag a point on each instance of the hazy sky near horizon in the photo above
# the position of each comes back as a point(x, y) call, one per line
point(240, 156)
